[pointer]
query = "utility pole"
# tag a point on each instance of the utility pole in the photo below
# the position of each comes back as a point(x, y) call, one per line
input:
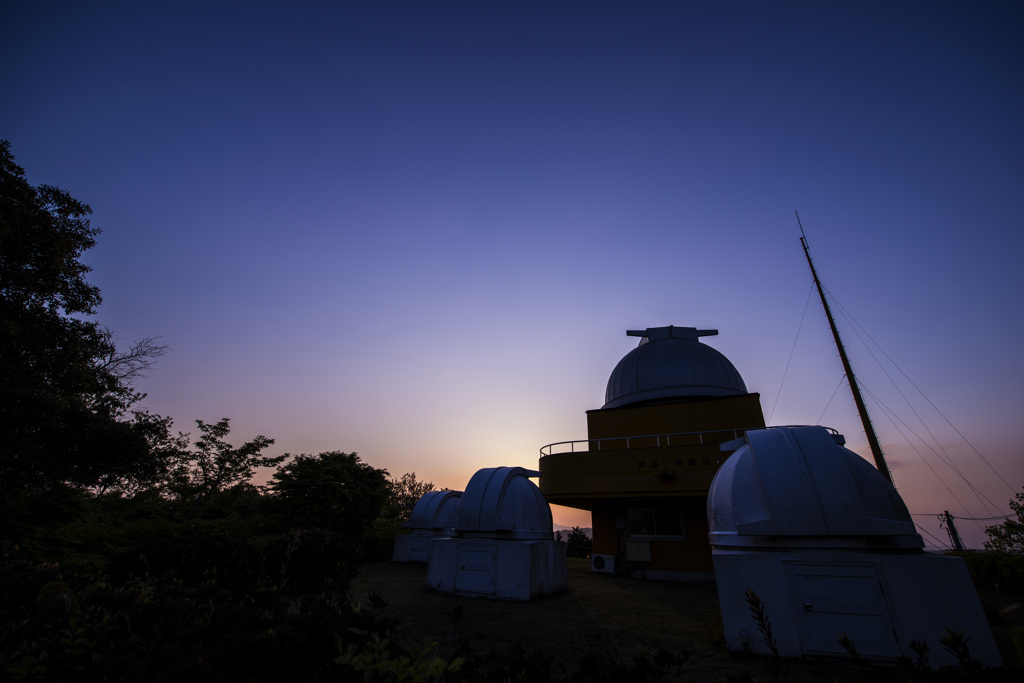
point(954, 537)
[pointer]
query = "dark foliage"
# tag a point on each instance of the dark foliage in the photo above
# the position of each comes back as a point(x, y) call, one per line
point(65, 390)
point(579, 544)
point(212, 465)
point(763, 621)
point(1008, 535)
point(644, 668)
point(406, 491)
point(996, 571)
point(58, 626)
point(514, 664)
point(127, 553)
point(174, 590)
point(333, 491)
point(311, 559)
point(194, 555)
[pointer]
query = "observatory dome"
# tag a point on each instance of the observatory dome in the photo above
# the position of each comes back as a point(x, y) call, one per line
point(435, 510)
point(797, 487)
point(503, 499)
point(671, 362)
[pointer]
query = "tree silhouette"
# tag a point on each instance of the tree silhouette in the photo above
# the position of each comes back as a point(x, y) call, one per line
point(65, 390)
point(212, 465)
point(1008, 537)
point(334, 491)
point(579, 544)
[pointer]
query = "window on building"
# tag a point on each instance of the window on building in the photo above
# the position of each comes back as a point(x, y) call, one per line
point(660, 517)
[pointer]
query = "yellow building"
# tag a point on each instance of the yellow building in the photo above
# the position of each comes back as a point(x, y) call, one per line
point(651, 453)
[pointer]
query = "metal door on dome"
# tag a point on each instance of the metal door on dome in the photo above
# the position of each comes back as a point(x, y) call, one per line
point(476, 569)
point(833, 600)
point(419, 548)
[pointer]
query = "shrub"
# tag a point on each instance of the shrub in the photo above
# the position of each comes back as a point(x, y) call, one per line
point(63, 626)
point(579, 544)
point(995, 571)
point(311, 559)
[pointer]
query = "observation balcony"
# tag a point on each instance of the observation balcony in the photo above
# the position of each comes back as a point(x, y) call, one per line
point(575, 473)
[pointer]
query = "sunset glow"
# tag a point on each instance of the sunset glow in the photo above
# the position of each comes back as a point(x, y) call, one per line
point(420, 231)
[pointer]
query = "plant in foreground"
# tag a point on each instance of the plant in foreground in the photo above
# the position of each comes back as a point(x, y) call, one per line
point(761, 618)
point(375, 660)
point(848, 645)
point(921, 650)
point(955, 643)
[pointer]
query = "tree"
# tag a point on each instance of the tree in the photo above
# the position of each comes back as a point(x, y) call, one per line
point(1008, 537)
point(65, 390)
point(152, 472)
point(213, 465)
point(334, 491)
point(579, 544)
point(329, 503)
point(128, 366)
point(405, 493)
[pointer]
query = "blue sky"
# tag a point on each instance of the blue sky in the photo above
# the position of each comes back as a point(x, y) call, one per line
point(420, 231)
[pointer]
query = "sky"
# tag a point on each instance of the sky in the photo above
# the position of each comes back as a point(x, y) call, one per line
point(420, 230)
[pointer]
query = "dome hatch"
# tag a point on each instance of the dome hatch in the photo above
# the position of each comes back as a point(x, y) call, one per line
point(796, 487)
point(503, 499)
point(435, 510)
point(671, 362)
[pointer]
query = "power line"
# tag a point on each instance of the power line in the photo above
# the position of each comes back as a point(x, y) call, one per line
point(971, 519)
point(924, 531)
point(919, 454)
point(857, 329)
point(917, 388)
point(945, 457)
point(825, 409)
point(810, 293)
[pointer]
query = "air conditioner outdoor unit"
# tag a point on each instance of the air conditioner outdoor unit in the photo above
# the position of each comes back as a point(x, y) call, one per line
point(602, 563)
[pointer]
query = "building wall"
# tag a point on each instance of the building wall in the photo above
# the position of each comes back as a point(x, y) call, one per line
point(881, 601)
point(635, 469)
point(605, 534)
point(638, 553)
point(694, 415)
point(633, 453)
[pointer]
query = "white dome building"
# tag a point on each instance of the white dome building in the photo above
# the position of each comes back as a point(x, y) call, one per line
point(434, 516)
point(828, 548)
point(651, 452)
point(503, 543)
point(796, 487)
point(671, 363)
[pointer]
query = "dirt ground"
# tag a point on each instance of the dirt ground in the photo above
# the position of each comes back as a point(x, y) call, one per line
point(597, 616)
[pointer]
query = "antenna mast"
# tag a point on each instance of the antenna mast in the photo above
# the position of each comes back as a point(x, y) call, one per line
point(869, 431)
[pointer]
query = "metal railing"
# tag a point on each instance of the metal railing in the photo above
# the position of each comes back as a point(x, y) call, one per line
point(702, 438)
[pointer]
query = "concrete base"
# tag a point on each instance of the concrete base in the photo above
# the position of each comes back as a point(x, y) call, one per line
point(881, 602)
point(413, 547)
point(508, 569)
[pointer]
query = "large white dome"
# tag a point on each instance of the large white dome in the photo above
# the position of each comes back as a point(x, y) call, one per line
point(503, 499)
point(797, 487)
point(671, 362)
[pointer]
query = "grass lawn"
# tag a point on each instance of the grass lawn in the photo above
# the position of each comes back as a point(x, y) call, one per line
point(599, 616)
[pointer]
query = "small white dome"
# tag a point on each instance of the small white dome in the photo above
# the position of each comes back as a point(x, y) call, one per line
point(435, 510)
point(671, 362)
point(503, 499)
point(796, 487)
